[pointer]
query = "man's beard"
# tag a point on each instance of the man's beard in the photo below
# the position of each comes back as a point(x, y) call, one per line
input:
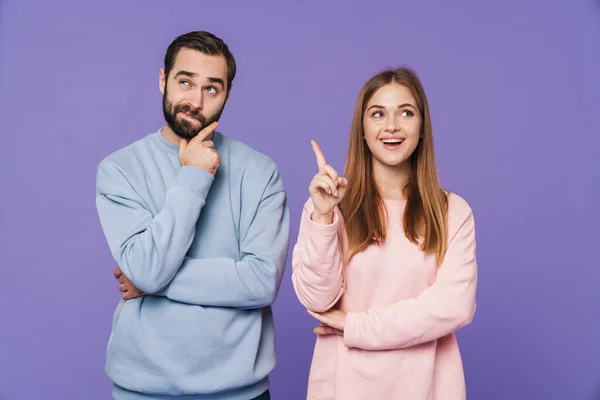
point(182, 127)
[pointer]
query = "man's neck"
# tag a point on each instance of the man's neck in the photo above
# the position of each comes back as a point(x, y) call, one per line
point(170, 136)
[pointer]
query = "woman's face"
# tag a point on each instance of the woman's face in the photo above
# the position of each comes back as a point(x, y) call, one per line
point(392, 125)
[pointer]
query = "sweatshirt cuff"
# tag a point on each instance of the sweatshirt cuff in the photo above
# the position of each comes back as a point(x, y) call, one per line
point(195, 180)
point(350, 325)
point(323, 228)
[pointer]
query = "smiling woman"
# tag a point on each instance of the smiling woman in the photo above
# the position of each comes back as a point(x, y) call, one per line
point(385, 258)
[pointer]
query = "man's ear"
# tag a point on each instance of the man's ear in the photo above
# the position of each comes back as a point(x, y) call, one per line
point(229, 91)
point(162, 81)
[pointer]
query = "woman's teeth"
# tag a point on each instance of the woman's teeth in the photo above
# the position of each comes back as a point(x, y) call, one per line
point(392, 141)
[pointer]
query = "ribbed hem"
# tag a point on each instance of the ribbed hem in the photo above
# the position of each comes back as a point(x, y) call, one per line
point(350, 329)
point(324, 228)
point(245, 393)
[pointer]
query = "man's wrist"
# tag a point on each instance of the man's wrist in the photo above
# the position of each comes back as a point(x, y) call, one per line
point(195, 179)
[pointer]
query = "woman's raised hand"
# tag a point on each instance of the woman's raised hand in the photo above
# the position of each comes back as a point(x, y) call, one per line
point(326, 190)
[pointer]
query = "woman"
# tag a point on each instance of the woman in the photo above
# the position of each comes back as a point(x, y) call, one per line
point(385, 258)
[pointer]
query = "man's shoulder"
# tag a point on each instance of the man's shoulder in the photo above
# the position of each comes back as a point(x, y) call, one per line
point(249, 156)
point(122, 164)
point(128, 155)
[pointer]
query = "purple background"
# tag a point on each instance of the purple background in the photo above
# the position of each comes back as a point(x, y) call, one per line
point(514, 92)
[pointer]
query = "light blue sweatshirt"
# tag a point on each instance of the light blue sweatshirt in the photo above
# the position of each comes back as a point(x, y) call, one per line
point(210, 252)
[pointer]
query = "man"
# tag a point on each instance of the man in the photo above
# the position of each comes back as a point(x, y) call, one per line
point(199, 226)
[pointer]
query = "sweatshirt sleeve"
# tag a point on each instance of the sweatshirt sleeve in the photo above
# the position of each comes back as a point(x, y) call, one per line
point(149, 249)
point(443, 308)
point(317, 274)
point(253, 281)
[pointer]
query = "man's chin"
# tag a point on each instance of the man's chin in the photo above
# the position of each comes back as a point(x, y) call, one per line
point(188, 131)
point(186, 134)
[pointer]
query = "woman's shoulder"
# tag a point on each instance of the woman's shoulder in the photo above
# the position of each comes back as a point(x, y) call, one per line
point(457, 203)
point(459, 210)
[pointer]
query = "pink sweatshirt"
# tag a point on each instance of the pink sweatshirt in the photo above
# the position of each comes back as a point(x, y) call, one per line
point(399, 340)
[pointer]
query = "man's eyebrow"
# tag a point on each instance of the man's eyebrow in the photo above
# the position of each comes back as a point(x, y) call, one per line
point(211, 79)
point(217, 80)
point(186, 73)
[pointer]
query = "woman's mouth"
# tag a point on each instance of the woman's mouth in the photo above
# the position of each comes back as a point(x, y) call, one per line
point(391, 143)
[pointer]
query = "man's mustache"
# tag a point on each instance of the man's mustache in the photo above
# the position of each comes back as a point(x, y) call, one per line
point(191, 111)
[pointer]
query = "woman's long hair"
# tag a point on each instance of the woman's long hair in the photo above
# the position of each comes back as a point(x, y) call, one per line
point(425, 214)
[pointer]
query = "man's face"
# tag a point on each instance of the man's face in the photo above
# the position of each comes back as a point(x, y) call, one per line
point(194, 93)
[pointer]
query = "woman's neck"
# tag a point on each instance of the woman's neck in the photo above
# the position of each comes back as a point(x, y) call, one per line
point(391, 180)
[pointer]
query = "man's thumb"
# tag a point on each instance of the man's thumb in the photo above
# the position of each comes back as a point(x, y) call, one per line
point(182, 145)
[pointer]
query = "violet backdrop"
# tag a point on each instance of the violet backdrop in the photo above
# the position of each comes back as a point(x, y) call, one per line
point(514, 90)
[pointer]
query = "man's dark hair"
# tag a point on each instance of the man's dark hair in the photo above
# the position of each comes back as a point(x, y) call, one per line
point(205, 43)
